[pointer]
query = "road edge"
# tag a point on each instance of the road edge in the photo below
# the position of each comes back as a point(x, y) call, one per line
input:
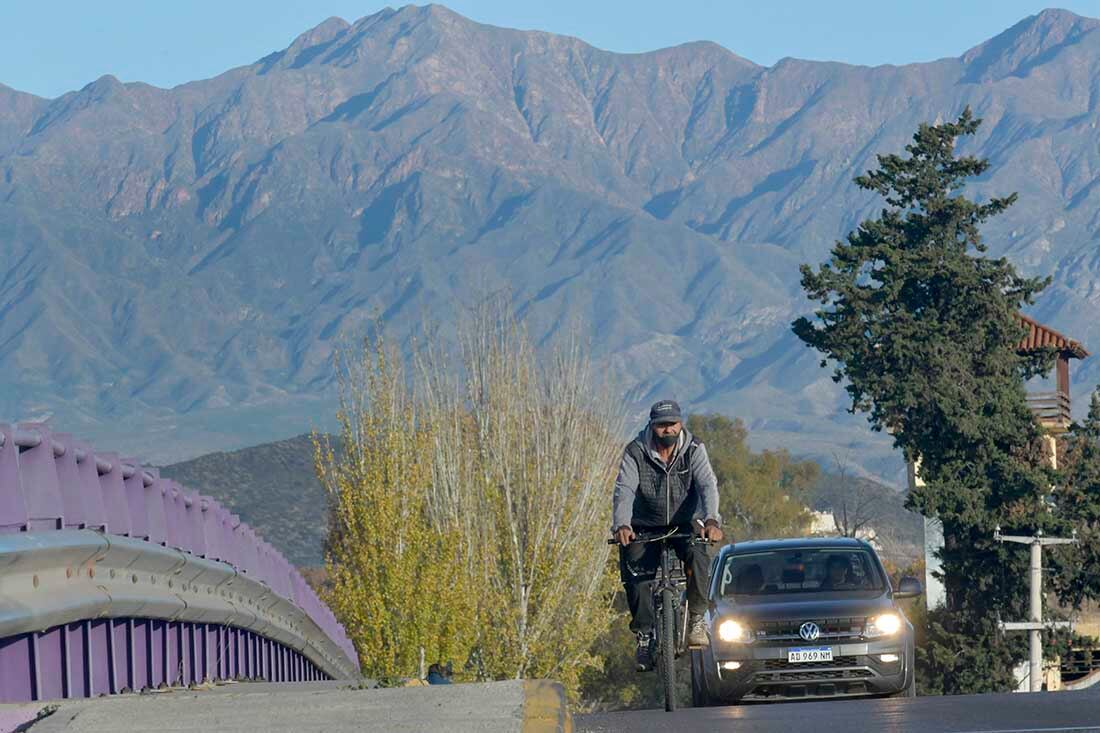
point(15, 717)
point(545, 709)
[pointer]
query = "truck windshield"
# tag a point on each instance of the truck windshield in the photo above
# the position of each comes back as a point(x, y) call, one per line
point(802, 570)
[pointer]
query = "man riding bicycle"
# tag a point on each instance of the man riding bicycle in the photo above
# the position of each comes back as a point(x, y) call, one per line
point(665, 481)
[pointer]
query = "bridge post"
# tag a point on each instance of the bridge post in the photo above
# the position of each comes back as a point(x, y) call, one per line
point(13, 505)
point(114, 494)
point(90, 489)
point(73, 501)
point(154, 507)
point(39, 479)
point(134, 487)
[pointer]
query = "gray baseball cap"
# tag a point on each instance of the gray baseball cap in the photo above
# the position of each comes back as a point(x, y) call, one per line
point(665, 411)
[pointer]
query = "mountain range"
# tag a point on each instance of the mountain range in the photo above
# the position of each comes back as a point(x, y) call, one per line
point(178, 265)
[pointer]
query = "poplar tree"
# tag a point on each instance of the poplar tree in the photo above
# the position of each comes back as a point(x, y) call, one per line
point(469, 505)
point(921, 327)
point(390, 568)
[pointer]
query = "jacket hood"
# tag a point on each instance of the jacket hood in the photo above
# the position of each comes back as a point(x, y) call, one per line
point(645, 437)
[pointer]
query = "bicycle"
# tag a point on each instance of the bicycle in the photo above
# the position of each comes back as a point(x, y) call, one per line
point(669, 613)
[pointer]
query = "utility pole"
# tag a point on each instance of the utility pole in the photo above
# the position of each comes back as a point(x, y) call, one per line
point(1035, 624)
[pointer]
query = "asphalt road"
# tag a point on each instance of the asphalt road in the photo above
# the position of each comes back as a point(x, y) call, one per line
point(1049, 712)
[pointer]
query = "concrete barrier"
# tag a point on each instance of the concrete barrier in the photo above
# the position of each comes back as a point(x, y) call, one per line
point(512, 706)
point(545, 708)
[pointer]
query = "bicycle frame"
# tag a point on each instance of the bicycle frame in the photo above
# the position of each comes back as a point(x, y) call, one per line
point(670, 627)
point(666, 581)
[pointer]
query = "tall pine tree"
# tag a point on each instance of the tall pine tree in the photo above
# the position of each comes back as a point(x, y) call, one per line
point(1076, 502)
point(921, 325)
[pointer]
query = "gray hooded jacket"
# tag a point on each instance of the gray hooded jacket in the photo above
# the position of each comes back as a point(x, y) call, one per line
point(703, 484)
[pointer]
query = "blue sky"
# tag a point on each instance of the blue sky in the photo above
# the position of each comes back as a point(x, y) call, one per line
point(49, 47)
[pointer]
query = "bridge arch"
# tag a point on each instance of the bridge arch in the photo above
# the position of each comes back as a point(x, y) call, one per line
point(114, 579)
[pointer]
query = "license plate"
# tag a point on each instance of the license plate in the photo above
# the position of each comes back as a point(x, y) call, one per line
point(810, 654)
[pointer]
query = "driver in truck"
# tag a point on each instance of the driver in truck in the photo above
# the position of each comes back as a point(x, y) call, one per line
point(665, 482)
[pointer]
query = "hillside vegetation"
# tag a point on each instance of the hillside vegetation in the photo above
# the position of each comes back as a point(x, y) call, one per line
point(273, 487)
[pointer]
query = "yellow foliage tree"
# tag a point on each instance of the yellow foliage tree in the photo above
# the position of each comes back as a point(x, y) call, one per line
point(762, 495)
point(526, 451)
point(391, 570)
point(471, 504)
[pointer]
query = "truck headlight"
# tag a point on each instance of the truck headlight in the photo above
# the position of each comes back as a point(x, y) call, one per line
point(886, 624)
point(730, 630)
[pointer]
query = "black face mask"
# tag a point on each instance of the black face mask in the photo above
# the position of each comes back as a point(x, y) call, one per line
point(666, 441)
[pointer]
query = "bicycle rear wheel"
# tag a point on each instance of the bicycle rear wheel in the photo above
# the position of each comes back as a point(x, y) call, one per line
point(667, 649)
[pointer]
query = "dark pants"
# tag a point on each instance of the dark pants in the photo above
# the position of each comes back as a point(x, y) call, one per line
point(638, 565)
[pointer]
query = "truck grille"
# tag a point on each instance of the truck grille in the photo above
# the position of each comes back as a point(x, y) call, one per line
point(831, 628)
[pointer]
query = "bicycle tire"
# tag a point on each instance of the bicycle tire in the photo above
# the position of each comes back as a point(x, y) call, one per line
point(667, 649)
point(698, 696)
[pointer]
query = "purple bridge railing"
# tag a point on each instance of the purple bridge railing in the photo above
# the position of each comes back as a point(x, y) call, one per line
point(113, 579)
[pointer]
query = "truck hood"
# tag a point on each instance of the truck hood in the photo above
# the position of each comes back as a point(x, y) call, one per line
point(824, 605)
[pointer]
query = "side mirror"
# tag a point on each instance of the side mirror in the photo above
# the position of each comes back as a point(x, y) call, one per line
point(909, 587)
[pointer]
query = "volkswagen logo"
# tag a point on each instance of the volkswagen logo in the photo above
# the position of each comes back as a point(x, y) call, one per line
point(809, 631)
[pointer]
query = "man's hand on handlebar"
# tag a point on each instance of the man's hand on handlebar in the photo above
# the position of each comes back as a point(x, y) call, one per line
point(710, 530)
point(624, 535)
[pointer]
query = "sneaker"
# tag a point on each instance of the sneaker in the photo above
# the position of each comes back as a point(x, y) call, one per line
point(643, 651)
point(697, 631)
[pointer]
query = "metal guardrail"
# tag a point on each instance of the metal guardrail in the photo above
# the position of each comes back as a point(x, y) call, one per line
point(51, 582)
point(87, 536)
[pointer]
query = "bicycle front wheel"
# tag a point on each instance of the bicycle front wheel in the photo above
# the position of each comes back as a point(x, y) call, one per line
point(667, 649)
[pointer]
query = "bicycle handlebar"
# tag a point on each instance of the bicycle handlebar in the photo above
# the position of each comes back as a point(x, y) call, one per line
point(640, 539)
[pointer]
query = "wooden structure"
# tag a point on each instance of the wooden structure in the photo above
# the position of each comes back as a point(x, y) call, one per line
point(1053, 409)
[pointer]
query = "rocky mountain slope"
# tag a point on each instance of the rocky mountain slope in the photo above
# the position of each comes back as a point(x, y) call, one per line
point(273, 487)
point(178, 264)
